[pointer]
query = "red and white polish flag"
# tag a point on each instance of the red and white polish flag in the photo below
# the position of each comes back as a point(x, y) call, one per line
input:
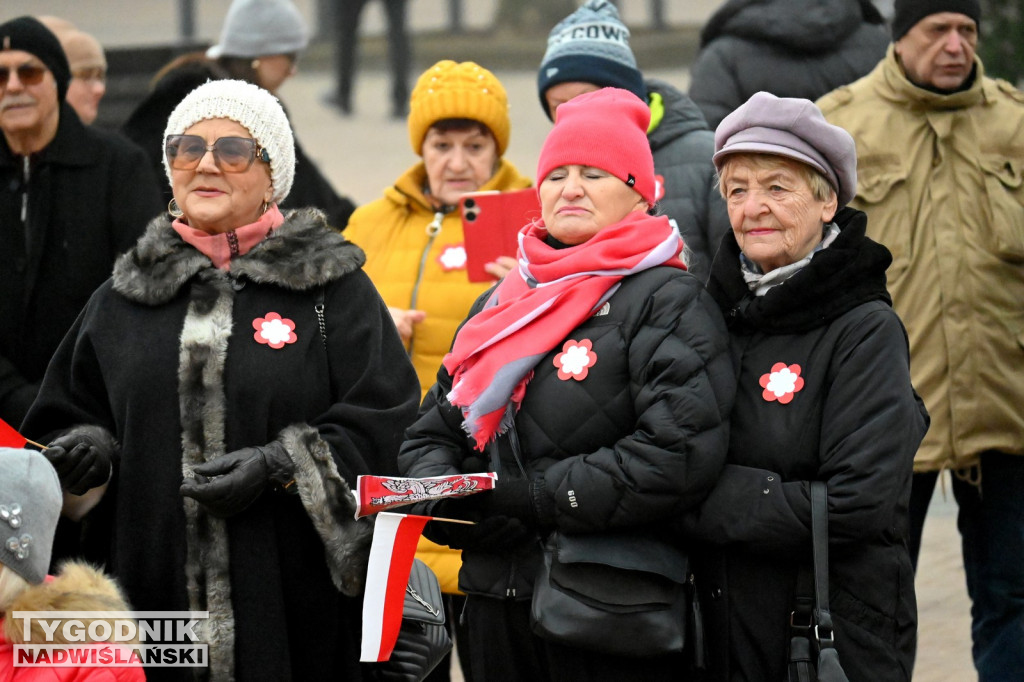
point(391, 554)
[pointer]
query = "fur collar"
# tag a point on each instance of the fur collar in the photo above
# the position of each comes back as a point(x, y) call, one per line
point(78, 587)
point(301, 254)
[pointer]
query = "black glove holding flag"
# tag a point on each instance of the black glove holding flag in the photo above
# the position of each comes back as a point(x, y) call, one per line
point(228, 484)
point(504, 516)
point(83, 458)
point(494, 534)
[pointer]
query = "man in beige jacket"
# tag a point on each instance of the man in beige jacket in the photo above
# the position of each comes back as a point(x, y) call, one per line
point(940, 152)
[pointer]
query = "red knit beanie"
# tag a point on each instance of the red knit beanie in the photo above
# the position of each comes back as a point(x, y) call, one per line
point(604, 129)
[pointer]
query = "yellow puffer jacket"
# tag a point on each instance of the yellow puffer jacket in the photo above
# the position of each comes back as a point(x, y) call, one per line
point(405, 263)
point(941, 178)
point(408, 266)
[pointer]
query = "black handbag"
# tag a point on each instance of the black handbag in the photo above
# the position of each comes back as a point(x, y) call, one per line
point(812, 647)
point(620, 593)
point(423, 640)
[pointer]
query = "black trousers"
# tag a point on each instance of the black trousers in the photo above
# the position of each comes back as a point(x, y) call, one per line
point(346, 23)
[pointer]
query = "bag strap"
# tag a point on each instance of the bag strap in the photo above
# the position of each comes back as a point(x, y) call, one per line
point(819, 535)
point(829, 668)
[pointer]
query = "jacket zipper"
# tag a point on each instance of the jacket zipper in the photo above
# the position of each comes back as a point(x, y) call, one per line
point(513, 440)
point(433, 229)
point(24, 193)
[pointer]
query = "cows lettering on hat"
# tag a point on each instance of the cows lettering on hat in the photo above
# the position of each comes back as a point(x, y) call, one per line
point(591, 45)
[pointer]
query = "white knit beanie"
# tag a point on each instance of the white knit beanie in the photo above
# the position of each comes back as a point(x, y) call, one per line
point(253, 107)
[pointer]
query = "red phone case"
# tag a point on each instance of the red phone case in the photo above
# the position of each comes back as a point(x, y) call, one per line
point(490, 223)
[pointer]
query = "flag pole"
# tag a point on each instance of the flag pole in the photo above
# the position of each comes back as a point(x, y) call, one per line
point(446, 520)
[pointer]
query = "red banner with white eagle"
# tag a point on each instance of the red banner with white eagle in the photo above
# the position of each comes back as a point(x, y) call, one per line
point(379, 493)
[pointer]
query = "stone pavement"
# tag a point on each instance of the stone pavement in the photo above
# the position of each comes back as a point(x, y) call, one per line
point(364, 153)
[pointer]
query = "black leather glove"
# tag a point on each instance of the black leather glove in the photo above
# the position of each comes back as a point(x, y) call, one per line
point(509, 498)
point(495, 533)
point(83, 458)
point(228, 484)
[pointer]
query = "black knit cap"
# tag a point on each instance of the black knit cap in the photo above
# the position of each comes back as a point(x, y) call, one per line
point(909, 12)
point(29, 35)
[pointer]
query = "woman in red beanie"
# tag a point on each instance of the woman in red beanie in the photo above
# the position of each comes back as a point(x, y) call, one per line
point(595, 380)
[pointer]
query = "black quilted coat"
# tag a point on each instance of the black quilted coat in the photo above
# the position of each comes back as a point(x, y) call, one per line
point(640, 439)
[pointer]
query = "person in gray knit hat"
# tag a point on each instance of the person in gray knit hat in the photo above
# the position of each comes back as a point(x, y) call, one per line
point(589, 50)
point(30, 504)
point(253, 28)
point(823, 394)
point(241, 370)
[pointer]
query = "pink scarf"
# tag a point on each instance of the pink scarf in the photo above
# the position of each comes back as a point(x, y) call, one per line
point(533, 309)
point(222, 247)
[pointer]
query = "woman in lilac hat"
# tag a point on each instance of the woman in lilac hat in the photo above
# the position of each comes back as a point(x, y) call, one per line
point(823, 394)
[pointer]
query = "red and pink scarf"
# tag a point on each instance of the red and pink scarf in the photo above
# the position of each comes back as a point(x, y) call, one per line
point(533, 309)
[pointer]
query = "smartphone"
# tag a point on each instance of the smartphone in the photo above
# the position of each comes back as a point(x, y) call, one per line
point(490, 223)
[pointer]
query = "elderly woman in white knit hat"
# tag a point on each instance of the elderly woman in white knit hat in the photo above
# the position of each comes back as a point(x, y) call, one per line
point(30, 504)
point(226, 386)
point(260, 42)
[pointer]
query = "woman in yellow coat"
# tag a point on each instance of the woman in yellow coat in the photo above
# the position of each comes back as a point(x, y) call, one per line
point(412, 236)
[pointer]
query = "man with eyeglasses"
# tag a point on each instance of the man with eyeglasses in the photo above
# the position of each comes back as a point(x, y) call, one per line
point(71, 199)
point(88, 65)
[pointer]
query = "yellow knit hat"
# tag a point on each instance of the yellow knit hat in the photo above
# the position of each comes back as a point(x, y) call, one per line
point(458, 90)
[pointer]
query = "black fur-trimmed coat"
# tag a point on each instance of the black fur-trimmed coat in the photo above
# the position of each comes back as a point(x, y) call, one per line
point(165, 357)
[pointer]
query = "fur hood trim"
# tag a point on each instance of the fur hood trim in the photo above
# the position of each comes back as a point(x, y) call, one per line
point(303, 253)
point(329, 501)
point(78, 587)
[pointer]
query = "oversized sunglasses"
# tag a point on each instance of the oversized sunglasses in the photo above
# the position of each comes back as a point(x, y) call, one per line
point(231, 154)
point(28, 74)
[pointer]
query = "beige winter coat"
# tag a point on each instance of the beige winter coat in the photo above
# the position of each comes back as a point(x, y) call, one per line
point(941, 178)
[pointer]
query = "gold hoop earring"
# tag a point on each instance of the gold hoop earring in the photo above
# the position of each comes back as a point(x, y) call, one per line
point(266, 207)
point(174, 209)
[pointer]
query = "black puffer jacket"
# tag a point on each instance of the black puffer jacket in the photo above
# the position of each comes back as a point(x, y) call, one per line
point(790, 48)
point(641, 438)
point(682, 146)
point(855, 423)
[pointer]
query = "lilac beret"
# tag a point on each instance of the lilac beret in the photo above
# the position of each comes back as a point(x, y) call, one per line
point(794, 128)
